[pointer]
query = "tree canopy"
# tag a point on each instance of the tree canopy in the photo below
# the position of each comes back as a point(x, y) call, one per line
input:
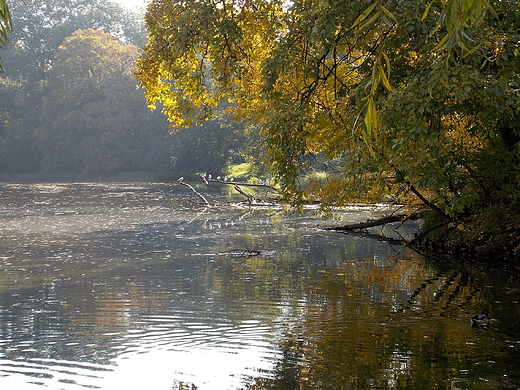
point(69, 103)
point(416, 100)
point(5, 26)
point(91, 99)
point(39, 28)
point(70, 107)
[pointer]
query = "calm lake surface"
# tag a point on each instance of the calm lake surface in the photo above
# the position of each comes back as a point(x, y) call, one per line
point(132, 286)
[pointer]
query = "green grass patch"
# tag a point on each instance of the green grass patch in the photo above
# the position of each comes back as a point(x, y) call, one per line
point(240, 171)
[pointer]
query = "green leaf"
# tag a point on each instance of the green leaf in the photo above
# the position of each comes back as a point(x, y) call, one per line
point(364, 14)
point(475, 48)
point(388, 13)
point(441, 43)
point(370, 21)
point(427, 10)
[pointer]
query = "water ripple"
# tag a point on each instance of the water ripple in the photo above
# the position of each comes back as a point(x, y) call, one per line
point(52, 374)
point(123, 286)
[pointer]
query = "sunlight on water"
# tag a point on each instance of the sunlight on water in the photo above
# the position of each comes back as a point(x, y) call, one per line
point(209, 368)
point(149, 363)
point(214, 357)
point(132, 286)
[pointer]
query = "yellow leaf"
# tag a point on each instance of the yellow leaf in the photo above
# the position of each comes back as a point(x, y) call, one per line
point(370, 121)
point(384, 79)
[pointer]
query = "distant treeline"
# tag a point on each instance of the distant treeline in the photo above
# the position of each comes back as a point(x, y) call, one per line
point(69, 103)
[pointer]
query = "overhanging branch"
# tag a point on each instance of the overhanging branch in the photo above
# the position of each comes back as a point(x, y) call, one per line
point(426, 201)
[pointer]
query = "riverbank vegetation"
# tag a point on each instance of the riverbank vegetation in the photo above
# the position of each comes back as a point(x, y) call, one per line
point(416, 102)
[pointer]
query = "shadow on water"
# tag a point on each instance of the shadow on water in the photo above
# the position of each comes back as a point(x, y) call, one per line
point(130, 286)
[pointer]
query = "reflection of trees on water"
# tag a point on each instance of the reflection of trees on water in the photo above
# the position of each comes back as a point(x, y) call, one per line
point(34, 325)
point(287, 373)
point(333, 312)
point(395, 325)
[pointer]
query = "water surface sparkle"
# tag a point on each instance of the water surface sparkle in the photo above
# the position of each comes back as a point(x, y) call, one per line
point(131, 286)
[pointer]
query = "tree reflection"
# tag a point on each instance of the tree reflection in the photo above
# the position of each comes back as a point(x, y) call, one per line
point(288, 371)
point(391, 324)
point(315, 310)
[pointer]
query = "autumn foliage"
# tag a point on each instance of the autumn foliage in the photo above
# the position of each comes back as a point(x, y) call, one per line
point(415, 101)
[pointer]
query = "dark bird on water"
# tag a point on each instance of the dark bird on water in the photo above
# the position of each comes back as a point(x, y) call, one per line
point(480, 320)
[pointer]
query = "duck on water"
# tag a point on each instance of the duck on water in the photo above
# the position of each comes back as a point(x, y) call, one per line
point(480, 320)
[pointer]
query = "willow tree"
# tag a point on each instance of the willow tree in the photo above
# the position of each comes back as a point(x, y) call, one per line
point(5, 25)
point(417, 100)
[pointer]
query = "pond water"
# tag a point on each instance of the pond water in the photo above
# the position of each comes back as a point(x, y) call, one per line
point(132, 286)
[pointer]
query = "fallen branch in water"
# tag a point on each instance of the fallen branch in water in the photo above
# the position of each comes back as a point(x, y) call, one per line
point(250, 198)
point(245, 253)
point(242, 184)
point(193, 190)
point(372, 223)
point(375, 236)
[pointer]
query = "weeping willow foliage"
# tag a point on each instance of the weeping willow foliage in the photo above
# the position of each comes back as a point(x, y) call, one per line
point(5, 26)
point(416, 100)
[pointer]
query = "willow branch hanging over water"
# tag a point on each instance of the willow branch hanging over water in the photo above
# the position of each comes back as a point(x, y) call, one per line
point(422, 96)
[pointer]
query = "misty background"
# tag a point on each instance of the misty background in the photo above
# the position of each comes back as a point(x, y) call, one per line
point(71, 110)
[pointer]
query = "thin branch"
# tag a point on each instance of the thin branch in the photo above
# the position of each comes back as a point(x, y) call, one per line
point(194, 191)
point(243, 184)
point(250, 198)
point(425, 233)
